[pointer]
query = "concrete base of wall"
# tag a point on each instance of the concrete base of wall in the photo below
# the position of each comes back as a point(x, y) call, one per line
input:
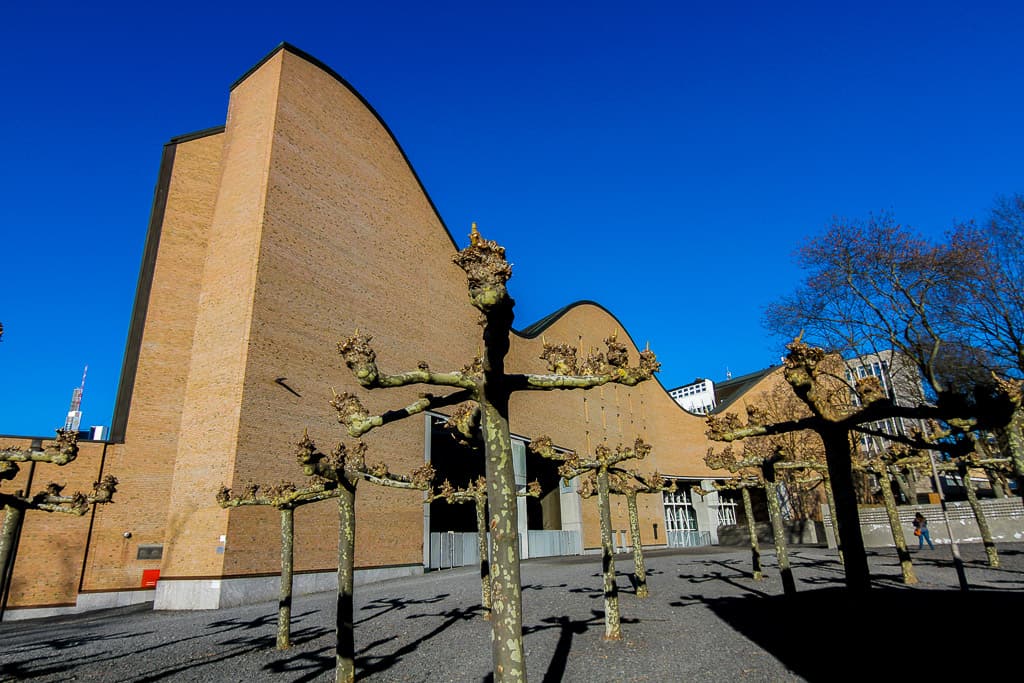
point(804, 532)
point(1005, 518)
point(86, 602)
point(178, 594)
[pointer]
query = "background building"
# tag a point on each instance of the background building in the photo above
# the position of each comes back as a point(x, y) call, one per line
point(697, 397)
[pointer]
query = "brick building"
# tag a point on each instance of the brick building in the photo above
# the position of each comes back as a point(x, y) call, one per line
point(271, 238)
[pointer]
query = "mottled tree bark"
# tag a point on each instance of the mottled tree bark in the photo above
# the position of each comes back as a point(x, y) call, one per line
point(13, 518)
point(831, 498)
point(612, 625)
point(506, 590)
point(906, 566)
point(755, 550)
point(639, 568)
point(979, 514)
point(1014, 433)
point(284, 604)
point(779, 535)
point(480, 505)
point(345, 670)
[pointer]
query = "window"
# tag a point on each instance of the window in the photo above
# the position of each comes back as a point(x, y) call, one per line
point(679, 514)
point(726, 510)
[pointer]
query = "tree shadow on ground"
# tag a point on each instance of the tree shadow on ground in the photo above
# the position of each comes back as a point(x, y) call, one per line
point(385, 605)
point(568, 629)
point(320, 661)
point(822, 635)
point(368, 665)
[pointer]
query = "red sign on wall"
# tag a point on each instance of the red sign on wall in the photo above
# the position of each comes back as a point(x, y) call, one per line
point(150, 577)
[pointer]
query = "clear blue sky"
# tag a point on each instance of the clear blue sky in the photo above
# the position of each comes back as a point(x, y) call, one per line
point(680, 150)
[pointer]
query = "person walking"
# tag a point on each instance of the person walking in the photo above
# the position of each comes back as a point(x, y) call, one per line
point(921, 531)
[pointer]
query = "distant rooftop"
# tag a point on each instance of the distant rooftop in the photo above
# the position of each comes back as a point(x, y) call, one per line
point(727, 392)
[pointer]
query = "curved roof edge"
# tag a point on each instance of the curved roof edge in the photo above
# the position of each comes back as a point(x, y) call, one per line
point(536, 329)
point(288, 47)
point(533, 330)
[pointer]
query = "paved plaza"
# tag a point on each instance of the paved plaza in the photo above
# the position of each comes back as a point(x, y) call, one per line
point(706, 620)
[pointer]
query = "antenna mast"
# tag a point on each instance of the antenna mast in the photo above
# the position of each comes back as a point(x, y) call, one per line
point(74, 418)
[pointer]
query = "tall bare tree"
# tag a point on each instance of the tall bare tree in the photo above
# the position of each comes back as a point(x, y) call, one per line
point(284, 497)
point(986, 302)
point(817, 380)
point(877, 288)
point(485, 383)
point(61, 451)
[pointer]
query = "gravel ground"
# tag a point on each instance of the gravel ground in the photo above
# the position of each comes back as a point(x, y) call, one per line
point(706, 620)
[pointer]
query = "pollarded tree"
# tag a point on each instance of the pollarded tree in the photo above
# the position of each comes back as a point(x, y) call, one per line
point(346, 467)
point(882, 465)
point(630, 484)
point(488, 387)
point(756, 464)
point(743, 484)
point(476, 493)
point(284, 497)
point(601, 467)
point(61, 451)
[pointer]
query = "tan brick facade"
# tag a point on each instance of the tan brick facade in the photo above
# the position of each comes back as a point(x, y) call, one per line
point(296, 224)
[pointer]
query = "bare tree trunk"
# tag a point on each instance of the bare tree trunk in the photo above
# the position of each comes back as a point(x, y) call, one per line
point(13, 518)
point(904, 485)
point(755, 550)
point(779, 534)
point(830, 496)
point(997, 482)
point(345, 671)
point(506, 591)
point(979, 514)
point(480, 503)
point(502, 503)
point(639, 569)
point(851, 542)
point(906, 566)
point(1014, 433)
point(612, 625)
point(284, 605)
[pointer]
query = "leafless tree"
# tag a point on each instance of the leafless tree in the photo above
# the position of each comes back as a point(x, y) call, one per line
point(875, 287)
point(743, 484)
point(345, 467)
point(600, 467)
point(60, 452)
point(284, 497)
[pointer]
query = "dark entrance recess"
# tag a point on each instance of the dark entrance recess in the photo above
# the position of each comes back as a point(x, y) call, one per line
point(459, 464)
point(544, 513)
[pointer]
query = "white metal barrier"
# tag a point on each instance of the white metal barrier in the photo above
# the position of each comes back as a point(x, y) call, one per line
point(459, 549)
point(688, 539)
